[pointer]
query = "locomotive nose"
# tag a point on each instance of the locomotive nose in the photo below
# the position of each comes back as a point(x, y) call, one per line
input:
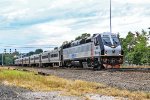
point(113, 51)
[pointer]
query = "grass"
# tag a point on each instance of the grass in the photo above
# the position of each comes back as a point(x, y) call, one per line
point(52, 83)
point(135, 66)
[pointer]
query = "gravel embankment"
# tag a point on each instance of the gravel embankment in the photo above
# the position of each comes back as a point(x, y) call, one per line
point(15, 93)
point(11, 93)
point(125, 80)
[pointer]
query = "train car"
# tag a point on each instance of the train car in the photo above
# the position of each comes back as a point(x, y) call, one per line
point(55, 57)
point(45, 59)
point(99, 51)
point(19, 62)
point(26, 61)
point(31, 60)
point(37, 60)
point(16, 62)
point(50, 58)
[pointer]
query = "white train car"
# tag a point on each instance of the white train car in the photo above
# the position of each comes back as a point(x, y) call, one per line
point(19, 62)
point(50, 58)
point(37, 60)
point(45, 57)
point(32, 60)
point(26, 61)
point(16, 62)
point(55, 57)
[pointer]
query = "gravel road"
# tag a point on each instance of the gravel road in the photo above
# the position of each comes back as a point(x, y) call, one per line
point(125, 80)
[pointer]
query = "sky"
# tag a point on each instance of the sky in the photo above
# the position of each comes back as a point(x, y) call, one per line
point(26, 25)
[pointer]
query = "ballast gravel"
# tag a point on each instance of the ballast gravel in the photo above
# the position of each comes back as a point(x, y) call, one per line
point(134, 81)
point(15, 93)
point(11, 93)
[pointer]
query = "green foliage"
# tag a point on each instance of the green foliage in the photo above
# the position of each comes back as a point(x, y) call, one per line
point(30, 53)
point(65, 42)
point(83, 36)
point(8, 59)
point(38, 51)
point(136, 49)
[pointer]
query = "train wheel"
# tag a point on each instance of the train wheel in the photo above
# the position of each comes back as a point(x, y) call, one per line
point(68, 64)
point(97, 65)
point(81, 65)
point(89, 63)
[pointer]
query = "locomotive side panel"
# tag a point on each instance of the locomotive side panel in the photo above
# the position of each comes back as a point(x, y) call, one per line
point(77, 52)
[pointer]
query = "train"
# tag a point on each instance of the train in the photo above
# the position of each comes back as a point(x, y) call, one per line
point(101, 50)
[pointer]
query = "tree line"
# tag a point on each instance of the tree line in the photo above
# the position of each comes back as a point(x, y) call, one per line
point(135, 46)
point(8, 58)
point(37, 51)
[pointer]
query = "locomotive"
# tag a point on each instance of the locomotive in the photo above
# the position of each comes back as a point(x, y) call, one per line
point(99, 51)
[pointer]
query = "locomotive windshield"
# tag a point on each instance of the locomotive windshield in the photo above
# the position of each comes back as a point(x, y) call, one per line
point(106, 41)
point(116, 41)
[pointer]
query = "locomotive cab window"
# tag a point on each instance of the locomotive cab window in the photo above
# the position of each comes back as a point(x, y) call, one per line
point(96, 42)
point(106, 41)
point(116, 41)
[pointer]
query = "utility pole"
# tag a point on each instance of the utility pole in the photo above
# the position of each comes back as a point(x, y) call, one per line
point(2, 58)
point(110, 17)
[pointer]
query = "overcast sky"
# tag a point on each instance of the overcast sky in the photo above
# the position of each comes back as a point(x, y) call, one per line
point(47, 23)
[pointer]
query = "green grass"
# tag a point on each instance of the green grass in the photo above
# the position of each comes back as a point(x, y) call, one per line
point(134, 66)
point(52, 83)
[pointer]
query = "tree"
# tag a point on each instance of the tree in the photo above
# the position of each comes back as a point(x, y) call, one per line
point(38, 51)
point(128, 43)
point(83, 36)
point(30, 53)
point(65, 42)
point(135, 46)
point(8, 59)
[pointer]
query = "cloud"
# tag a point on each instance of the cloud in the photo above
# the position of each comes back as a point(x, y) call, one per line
point(133, 1)
point(27, 23)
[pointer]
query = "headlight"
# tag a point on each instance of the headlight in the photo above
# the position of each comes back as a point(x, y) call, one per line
point(105, 52)
point(119, 52)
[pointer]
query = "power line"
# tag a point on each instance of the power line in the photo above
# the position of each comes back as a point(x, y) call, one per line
point(27, 46)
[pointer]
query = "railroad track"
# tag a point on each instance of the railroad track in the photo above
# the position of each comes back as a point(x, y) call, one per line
point(147, 70)
point(129, 70)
